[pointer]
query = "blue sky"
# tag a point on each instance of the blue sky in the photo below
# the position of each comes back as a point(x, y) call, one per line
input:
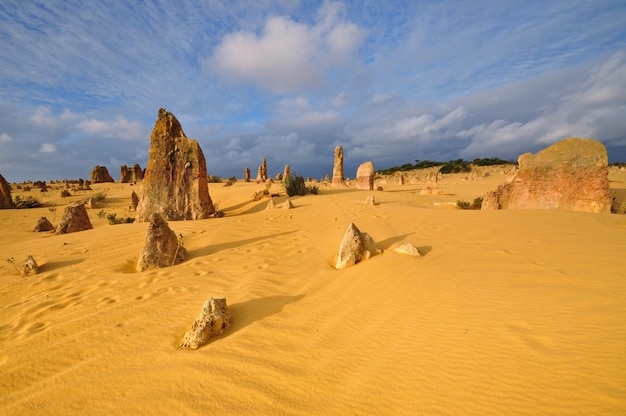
point(81, 82)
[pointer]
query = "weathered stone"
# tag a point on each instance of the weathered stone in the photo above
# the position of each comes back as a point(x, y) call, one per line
point(355, 247)
point(408, 249)
point(571, 174)
point(134, 201)
point(270, 204)
point(259, 175)
point(369, 201)
point(286, 173)
point(91, 203)
point(124, 174)
point(175, 183)
point(43, 224)
point(365, 176)
point(5, 194)
point(338, 178)
point(428, 190)
point(161, 248)
point(214, 319)
point(278, 177)
point(264, 170)
point(136, 173)
point(75, 218)
point(246, 175)
point(100, 174)
point(29, 267)
point(287, 204)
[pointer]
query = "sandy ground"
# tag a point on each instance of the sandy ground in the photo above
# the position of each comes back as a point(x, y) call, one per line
point(507, 312)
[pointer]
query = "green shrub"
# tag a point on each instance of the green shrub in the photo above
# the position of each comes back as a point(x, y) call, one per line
point(313, 189)
point(294, 185)
point(28, 202)
point(65, 193)
point(99, 196)
point(477, 204)
point(112, 218)
point(455, 166)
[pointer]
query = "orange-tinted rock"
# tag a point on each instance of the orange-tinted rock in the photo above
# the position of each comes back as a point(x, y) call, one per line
point(5, 194)
point(365, 176)
point(161, 248)
point(100, 174)
point(75, 218)
point(571, 174)
point(175, 182)
point(338, 178)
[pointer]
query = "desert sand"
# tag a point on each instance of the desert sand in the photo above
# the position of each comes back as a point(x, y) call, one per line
point(519, 312)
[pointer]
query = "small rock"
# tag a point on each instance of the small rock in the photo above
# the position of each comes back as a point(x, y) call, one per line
point(29, 268)
point(355, 247)
point(214, 318)
point(409, 249)
point(270, 204)
point(287, 204)
point(43, 224)
point(369, 201)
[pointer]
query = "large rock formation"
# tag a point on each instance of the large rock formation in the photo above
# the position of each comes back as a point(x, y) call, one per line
point(214, 318)
point(571, 174)
point(246, 175)
point(124, 174)
point(365, 176)
point(355, 247)
point(5, 194)
point(75, 218)
point(338, 178)
point(136, 173)
point(286, 173)
point(161, 248)
point(100, 174)
point(264, 170)
point(175, 183)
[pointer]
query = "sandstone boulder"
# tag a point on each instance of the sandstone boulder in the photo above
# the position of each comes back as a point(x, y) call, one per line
point(369, 201)
point(134, 201)
point(355, 247)
point(287, 204)
point(338, 178)
point(75, 218)
point(29, 267)
point(43, 224)
point(175, 183)
point(365, 176)
point(5, 194)
point(270, 205)
point(161, 248)
point(286, 173)
point(124, 174)
point(408, 249)
point(246, 175)
point(214, 319)
point(264, 176)
point(100, 174)
point(571, 174)
point(136, 173)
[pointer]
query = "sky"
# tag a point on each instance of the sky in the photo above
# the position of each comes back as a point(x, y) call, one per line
point(392, 82)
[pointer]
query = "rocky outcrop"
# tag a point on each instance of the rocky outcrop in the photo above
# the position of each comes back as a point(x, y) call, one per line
point(370, 201)
point(264, 170)
point(365, 176)
point(214, 319)
point(288, 204)
point(134, 201)
point(75, 218)
point(338, 178)
point(124, 174)
point(246, 175)
point(161, 248)
point(43, 224)
point(5, 194)
point(355, 247)
point(175, 183)
point(100, 174)
point(136, 173)
point(571, 174)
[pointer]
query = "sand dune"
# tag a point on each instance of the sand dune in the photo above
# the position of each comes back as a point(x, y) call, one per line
point(507, 312)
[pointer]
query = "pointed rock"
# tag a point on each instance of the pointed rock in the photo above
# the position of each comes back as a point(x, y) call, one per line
point(338, 179)
point(30, 268)
point(43, 224)
point(161, 248)
point(287, 204)
point(214, 318)
point(270, 204)
point(75, 218)
point(355, 247)
point(175, 183)
point(100, 174)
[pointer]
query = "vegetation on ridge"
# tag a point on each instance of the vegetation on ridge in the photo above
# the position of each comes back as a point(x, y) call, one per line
point(452, 166)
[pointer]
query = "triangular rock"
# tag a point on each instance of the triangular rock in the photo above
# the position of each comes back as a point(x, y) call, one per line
point(355, 247)
point(162, 248)
point(75, 218)
point(214, 318)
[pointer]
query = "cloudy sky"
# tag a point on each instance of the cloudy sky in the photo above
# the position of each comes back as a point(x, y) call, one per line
point(81, 82)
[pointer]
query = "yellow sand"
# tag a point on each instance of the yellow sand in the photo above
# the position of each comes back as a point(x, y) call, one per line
point(508, 312)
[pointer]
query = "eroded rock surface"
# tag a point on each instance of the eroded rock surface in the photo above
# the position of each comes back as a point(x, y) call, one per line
point(365, 176)
point(571, 174)
point(175, 183)
point(5, 194)
point(75, 218)
point(161, 248)
point(338, 177)
point(43, 224)
point(355, 247)
point(100, 174)
point(214, 319)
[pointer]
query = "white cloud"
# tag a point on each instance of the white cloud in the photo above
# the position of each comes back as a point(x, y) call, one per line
point(121, 128)
point(5, 138)
point(47, 148)
point(288, 55)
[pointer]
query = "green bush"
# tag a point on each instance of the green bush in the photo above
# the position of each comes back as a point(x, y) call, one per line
point(477, 204)
point(112, 218)
point(294, 185)
point(455, 166)
point(28, 202)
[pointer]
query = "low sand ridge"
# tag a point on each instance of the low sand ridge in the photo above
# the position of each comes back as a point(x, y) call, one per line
point(508, 312)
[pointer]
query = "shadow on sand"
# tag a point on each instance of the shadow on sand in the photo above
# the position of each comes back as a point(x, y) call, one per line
point(48, 267)
point(254, 310)
point(216, 248)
